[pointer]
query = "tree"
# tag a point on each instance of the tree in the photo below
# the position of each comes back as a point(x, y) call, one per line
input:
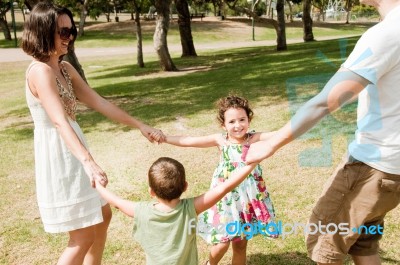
point(278, 26)
point(5, 6)
point(307, 21)
point(348, 7)
point(83, 14)
point(137, 4)
point(185, 29)
point(160, 35)
point(281, 34)
point(321, 5)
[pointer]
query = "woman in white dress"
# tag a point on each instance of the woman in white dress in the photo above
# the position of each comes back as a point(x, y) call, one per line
point(64, 168)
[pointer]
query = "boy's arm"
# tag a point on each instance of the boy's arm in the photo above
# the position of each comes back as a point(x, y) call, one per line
point(211, 197)
point(193, 141)
point(123, 205)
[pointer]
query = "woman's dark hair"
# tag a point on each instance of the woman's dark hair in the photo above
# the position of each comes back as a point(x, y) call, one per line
point(40, 29)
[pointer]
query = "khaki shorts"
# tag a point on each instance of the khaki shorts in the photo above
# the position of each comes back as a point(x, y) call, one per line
point(356, 196)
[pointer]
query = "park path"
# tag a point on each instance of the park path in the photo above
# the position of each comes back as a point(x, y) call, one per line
point(16, 54)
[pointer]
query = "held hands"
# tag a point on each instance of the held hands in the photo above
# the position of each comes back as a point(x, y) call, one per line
point(95, 173)
point(152, 134)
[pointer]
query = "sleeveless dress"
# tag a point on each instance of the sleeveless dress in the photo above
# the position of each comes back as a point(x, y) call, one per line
point(65, 197)
point(245, 207)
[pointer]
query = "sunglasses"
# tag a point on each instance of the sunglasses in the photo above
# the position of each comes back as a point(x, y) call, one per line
point(65, 33)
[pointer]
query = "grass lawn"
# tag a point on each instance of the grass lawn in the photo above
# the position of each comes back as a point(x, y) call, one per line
point(183, 103)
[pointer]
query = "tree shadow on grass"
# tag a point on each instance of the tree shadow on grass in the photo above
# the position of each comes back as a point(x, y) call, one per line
point(250, 72)
point(286, 258)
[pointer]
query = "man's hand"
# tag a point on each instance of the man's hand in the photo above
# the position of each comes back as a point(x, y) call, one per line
point(259, 151)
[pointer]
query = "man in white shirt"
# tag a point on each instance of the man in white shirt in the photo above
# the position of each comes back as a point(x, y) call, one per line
point(366, 185)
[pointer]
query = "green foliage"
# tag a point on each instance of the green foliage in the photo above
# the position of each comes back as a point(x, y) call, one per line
point(4, 7)
point(180, 103)
point(166, 101)
point(364, 11)
point(260, 8)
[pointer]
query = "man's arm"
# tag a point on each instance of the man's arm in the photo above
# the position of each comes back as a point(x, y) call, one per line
point(341, 89)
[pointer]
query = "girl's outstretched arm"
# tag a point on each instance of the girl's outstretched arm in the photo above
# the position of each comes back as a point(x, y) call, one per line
point(195, 141)
point(262, 136)
point(123, 205)
point(211, 197)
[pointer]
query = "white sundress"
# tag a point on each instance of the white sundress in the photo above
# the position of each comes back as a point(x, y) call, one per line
point(65, 197)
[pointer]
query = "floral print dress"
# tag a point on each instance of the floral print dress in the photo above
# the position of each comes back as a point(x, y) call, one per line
point(247, 206)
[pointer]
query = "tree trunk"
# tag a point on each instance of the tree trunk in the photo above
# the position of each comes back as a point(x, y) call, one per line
point(72, 59)
point(290, 10)
point(4, 27)
point(83, 18)
point(137, 6)
point(269, 8)
point(160, 35)
point(215, 9)
point(185, 29)
point(139, 38)
point(278, 28)
point(348, 10)
point(307, 21)
point(3, 20)
point(281, 32)
point(31, 3)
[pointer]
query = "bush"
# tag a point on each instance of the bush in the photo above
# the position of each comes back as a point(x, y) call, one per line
point(364, 11)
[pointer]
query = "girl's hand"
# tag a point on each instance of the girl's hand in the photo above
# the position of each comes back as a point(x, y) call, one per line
point(95, 173)
point(158, 136)
point(152, 134)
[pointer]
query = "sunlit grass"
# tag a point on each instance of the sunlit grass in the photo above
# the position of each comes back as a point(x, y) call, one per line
point(183, 103)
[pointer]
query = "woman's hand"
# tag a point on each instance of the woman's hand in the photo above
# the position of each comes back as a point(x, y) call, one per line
point(95, 173)
point(152, 134)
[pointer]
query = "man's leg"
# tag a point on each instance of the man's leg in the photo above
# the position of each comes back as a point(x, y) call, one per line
point(359, 196)
point(367, 260)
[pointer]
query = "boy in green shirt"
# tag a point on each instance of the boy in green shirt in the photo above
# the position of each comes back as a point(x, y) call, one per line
point(164, 228)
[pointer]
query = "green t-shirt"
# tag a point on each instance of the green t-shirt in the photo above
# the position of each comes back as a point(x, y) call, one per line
point(167, 238)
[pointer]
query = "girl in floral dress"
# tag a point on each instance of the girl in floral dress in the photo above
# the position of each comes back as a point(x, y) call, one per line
point(247, 206)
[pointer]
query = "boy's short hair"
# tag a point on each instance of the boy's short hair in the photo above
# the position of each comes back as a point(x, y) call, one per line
point(167, 178)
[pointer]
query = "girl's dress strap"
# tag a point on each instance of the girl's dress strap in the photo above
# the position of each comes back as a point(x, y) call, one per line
point(249, 135)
